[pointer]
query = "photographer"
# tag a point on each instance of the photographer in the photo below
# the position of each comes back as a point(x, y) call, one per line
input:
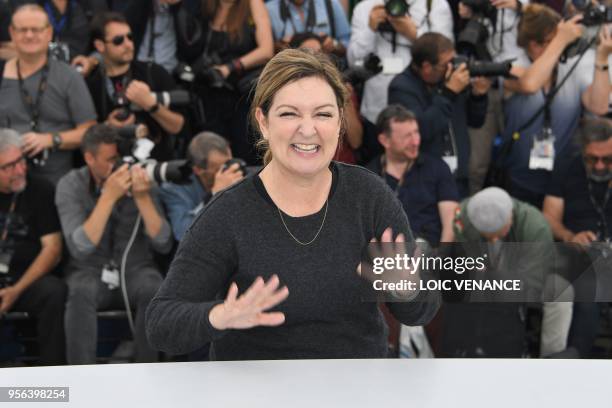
point(99, 209)
point(579, 211)
point(42, 98)
point(545, 101)
point(325, 18)
point(30, 247)
point(374, 30)
point(123, 88)
point(496, 223)
point(445, 100)
point(208, 152)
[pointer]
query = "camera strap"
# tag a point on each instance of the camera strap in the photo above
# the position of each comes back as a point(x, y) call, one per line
point(31, 105)
point(7, 220)
point(600, 208)
point(285, 14)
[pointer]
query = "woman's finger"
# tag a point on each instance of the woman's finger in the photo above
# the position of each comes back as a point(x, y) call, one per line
point(271, 319)
point(275, 298)
point(232, 293)
point(268, 289)
point(252, 292)
point(387, 235)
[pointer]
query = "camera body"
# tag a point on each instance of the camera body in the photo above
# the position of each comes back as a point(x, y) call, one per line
point(241, 163)
point(203, 71)
point(394, 8)
point(357, 75)
point(59, 51)
point(484, 68)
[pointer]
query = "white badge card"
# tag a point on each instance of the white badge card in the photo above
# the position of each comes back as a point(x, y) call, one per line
point(392, 66)
point(542, 154)
point(452, 162)
point(110, 276)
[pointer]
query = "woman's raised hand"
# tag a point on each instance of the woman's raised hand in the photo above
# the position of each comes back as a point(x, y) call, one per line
point(249, 310)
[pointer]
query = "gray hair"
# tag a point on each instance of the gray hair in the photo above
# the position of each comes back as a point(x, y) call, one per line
point(201, 146)
point(8, 138)
point(595, 130)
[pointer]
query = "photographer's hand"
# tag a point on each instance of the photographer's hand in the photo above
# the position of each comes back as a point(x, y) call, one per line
point(583, 238)
point(569, 31)
point(405, 26)
point(141, 185)
point(8, 297)
point(249, 310)
point(227, 177)
point(117, 184)
point(223, 69)
point(604, 48)
point(112, 120)
point(458, 79)
point(378, 15)
point(139, 93)
point(34, 143)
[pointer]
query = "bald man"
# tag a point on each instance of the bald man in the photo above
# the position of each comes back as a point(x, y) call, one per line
point(45, 100)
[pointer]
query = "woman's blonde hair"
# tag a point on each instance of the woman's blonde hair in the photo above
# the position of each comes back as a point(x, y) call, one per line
point(289, 66)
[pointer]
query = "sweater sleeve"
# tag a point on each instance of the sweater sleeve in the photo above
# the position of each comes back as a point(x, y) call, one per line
point(198, 278)
point(424, 307)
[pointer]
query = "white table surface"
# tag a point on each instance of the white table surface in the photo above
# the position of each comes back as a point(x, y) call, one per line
point(328, 383)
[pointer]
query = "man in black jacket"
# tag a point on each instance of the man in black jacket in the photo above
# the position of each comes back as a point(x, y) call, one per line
point(122, 88)
point(445, 100)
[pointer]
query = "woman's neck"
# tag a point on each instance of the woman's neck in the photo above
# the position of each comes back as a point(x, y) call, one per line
point(296, 195)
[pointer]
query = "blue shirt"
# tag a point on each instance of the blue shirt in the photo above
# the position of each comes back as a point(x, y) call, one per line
point(282, 29)
point(183, 202)
point(425, 184)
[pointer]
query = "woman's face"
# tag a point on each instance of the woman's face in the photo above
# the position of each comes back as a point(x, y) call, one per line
point(302, 126)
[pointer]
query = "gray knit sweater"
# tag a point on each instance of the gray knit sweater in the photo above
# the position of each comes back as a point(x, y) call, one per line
point(240, 236)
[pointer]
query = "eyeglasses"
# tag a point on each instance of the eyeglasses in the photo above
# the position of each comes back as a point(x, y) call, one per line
point(12, 165)
point(592, 160)
point(119, 39)
point(34, 30)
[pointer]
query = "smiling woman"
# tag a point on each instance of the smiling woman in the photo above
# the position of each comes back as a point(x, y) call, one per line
point(268, 269)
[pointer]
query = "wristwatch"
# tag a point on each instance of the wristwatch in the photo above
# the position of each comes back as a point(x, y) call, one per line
point(601, 67)
point(154, 108)
point(56, 138)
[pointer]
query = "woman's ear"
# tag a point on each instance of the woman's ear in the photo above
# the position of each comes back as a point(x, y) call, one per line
point(262, 121)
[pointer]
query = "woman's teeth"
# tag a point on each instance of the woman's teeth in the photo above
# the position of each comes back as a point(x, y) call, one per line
point(305, 148)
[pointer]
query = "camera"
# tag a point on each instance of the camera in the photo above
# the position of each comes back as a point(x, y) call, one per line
point(394, 8)
point(175, 98)
point(360, 73)
point(484, 68)
point(472, 40)
point(592, 16)
point(203, 70)
point(241, 163)
point(59, 51)
point(135, 150)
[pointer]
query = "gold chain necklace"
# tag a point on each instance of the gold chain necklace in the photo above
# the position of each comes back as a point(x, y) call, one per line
point(316, 235)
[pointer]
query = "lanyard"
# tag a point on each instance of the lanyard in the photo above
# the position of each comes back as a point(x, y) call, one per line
point(548, 99)
point(311, 19)
point(7, 221)
point(601, 209)
point(58, 26)
point(116, 90)
point(32, 106)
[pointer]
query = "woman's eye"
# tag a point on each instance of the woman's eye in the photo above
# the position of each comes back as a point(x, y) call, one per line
point(325, 114)
point(283, 114)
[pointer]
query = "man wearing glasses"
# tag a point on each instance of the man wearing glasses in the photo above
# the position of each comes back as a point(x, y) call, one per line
point(43, 99)
point(123, 88)
point(30, 247)
point(579, 210)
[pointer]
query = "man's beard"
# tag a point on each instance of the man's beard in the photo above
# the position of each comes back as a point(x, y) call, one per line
point(600, 176)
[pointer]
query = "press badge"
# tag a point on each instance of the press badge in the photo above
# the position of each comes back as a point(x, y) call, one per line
point(5, 261)
point(392, 66)
point(110, 275)
point(452, 162)
point(543, 151)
